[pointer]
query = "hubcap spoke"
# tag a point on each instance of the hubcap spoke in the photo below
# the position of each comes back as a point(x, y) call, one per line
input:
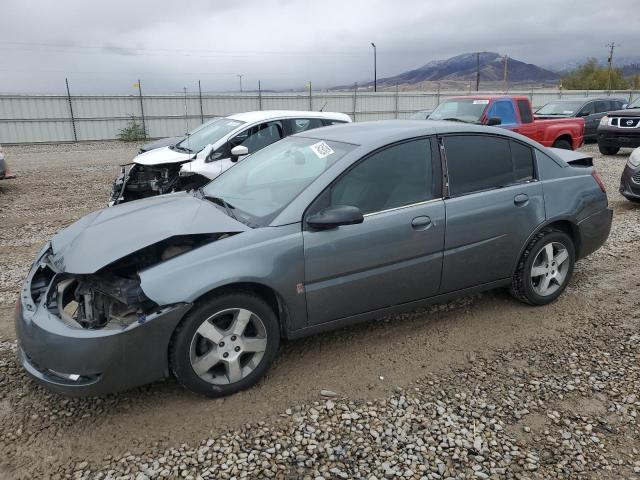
point(240, 321)
point(254, 344)
point(544, 285)
point(209, 331)
point(538, 271)
point(548, 253)
point(234, 371)
point(561, 257)
point(204, 363)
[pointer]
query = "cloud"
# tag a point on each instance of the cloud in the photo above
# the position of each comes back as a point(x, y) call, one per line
point(102, 46)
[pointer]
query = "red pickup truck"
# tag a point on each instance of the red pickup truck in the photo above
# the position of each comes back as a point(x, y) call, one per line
point(514, 113)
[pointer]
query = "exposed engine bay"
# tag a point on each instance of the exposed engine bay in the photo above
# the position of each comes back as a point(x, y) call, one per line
point(112, 297)
point(142, 181)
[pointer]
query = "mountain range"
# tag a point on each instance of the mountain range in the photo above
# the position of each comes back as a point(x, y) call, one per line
point(463, 68)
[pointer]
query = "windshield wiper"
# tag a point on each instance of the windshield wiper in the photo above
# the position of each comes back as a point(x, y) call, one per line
point(454, 119)
point(182, 149)
point(219, 201)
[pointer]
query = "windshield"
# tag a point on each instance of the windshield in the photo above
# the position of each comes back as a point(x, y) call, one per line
point(560, 108)
point(207, 134)
point(635, 103)
point(261, 185)
point(465, 110)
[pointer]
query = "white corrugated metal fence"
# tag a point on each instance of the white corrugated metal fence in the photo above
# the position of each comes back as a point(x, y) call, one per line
point(48, 118)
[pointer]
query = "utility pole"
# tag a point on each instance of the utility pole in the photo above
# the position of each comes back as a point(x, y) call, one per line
point(611, 46)
point(506, 71)
point(477, 71)
point(375, 67)
point(240, 78)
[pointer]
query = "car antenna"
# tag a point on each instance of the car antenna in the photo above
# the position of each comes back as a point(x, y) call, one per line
point(322, 109)
point(186, 119)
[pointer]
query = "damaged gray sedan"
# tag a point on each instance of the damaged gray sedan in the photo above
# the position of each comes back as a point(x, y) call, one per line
point(317, 231)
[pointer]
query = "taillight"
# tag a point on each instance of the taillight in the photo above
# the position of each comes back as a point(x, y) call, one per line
point(598, 180)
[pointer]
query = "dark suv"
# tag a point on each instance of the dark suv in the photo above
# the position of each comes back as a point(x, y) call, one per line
point(620, 128)
point(591, 109)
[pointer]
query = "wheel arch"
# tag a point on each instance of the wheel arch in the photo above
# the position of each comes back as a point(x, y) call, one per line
point(564, 136)
point(565, 225)
point(266, 293)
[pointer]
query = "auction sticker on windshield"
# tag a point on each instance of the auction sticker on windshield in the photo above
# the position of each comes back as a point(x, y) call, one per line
point(481, 102)
point(321, 149)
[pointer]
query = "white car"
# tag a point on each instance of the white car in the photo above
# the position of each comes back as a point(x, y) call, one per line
point(210, 150)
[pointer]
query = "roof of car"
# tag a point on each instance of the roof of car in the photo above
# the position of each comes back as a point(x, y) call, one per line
point(586, 99)
point(381, 132)
point(258, 116)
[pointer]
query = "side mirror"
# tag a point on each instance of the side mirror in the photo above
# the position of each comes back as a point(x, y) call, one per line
point(583, 114)
point(238, 151)
point(335, 216)
point(494, 121)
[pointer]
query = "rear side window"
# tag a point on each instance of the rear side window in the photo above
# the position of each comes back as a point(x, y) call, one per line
point(478, 162)
point(332, 122)
point(303, 124)
point(525, 111)
point(522, 162)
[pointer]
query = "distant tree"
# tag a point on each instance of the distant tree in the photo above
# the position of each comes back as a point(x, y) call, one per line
point(634, 81)
point(590, 76)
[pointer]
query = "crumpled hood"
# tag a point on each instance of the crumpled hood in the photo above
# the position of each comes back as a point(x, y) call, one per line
point(107, 235)
point(161, 156)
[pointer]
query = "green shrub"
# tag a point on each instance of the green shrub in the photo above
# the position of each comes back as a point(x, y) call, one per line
point(132, 132)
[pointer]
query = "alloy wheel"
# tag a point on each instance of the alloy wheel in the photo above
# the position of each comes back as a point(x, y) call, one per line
point(549, 269)
point(228, 346)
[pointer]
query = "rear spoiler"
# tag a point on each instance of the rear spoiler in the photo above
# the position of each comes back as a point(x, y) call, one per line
point(573, 158)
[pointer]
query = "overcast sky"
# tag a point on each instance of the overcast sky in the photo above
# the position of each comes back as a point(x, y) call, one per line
point(103, 46)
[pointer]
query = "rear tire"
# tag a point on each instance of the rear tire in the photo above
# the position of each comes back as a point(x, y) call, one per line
point(608, 150)
point(562, 143)
point(225, 344)
point(545, 268)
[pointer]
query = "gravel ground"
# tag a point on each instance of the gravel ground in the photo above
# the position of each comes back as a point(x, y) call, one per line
point(482, 387)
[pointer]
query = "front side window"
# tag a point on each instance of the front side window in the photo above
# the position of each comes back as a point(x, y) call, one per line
point(259, 136)
point(261, 185)
point(602, 106)
point(397, 176)
point(588, 109)
point(482, 162)
point(503, 109)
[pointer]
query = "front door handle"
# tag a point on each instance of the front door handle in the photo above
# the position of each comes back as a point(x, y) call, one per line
point(421, 223)
point(521, 199)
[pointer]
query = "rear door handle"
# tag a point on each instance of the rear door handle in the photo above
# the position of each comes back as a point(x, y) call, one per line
point(421, 223)
point(521, 199)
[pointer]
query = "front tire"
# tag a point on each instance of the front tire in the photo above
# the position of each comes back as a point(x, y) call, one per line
point(545, 268)
point(225, 344)
point(608, 150)
point(562, 143)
